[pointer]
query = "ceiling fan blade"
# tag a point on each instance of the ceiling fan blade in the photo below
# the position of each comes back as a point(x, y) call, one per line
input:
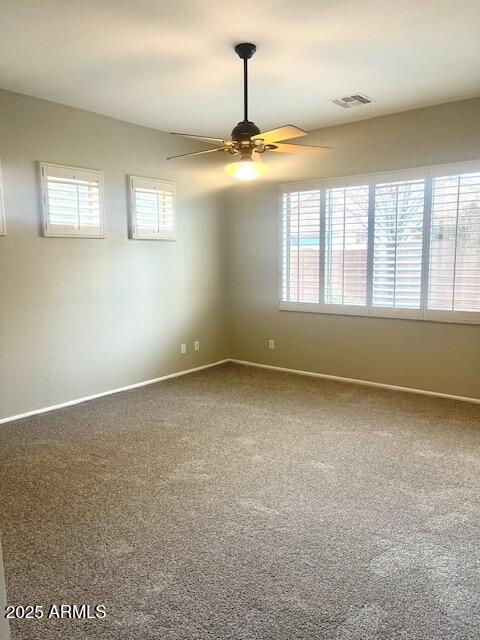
point(198, 153)
point(281, 133)
point(300, 148)
point(204, 138)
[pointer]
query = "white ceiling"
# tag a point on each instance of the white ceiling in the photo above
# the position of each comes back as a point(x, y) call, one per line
point(170, 65)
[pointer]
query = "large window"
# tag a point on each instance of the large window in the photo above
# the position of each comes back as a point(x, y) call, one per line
point(72, 201)
point(397, 245)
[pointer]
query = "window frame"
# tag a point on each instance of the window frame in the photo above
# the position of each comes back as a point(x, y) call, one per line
point(65, 231)
point(428, 173)
point(156, 183)
point(3, 222)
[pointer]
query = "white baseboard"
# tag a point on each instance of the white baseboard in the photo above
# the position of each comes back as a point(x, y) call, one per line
point(107, 393)
point(367, 383)
point(247, 363)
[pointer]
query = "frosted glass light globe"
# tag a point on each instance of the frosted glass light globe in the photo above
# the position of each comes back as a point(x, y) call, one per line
point(245, 169)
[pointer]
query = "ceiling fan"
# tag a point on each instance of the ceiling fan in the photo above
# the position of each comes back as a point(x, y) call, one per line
point(248, 143)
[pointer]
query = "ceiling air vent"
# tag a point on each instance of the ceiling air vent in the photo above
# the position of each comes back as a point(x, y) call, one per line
point(355, 100)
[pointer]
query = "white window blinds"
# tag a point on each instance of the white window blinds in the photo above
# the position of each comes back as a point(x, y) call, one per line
point(152, 209)
point(301, 246)
point(400, 245)
point(398, 239)
point(454, 274)
point(72, 201)
point(346, 245)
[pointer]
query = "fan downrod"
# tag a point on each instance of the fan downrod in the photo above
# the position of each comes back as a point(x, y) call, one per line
point(245, 129)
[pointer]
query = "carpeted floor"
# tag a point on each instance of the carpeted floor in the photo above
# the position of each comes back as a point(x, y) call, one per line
point(247, 504)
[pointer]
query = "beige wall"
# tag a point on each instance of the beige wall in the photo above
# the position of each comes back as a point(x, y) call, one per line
point(82, 316)
point(432, 356)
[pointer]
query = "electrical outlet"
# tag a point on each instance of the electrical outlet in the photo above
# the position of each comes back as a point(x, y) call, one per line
point(271, 344)
point(183, 348)
point(196, 345)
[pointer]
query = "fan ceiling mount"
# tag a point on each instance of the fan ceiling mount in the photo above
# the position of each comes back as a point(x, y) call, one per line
point(247, 142)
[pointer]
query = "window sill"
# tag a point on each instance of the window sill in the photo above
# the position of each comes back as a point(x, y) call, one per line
point(74, 235)
point(448, 317)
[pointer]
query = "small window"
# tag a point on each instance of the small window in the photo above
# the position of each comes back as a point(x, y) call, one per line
point(3, 227)
point(72, 201)
point(152, 204)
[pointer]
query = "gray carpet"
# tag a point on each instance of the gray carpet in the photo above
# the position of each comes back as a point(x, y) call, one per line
point(240, 503)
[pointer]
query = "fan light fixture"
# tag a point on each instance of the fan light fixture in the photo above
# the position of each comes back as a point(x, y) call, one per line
point(246, 169)
point(247, 141)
